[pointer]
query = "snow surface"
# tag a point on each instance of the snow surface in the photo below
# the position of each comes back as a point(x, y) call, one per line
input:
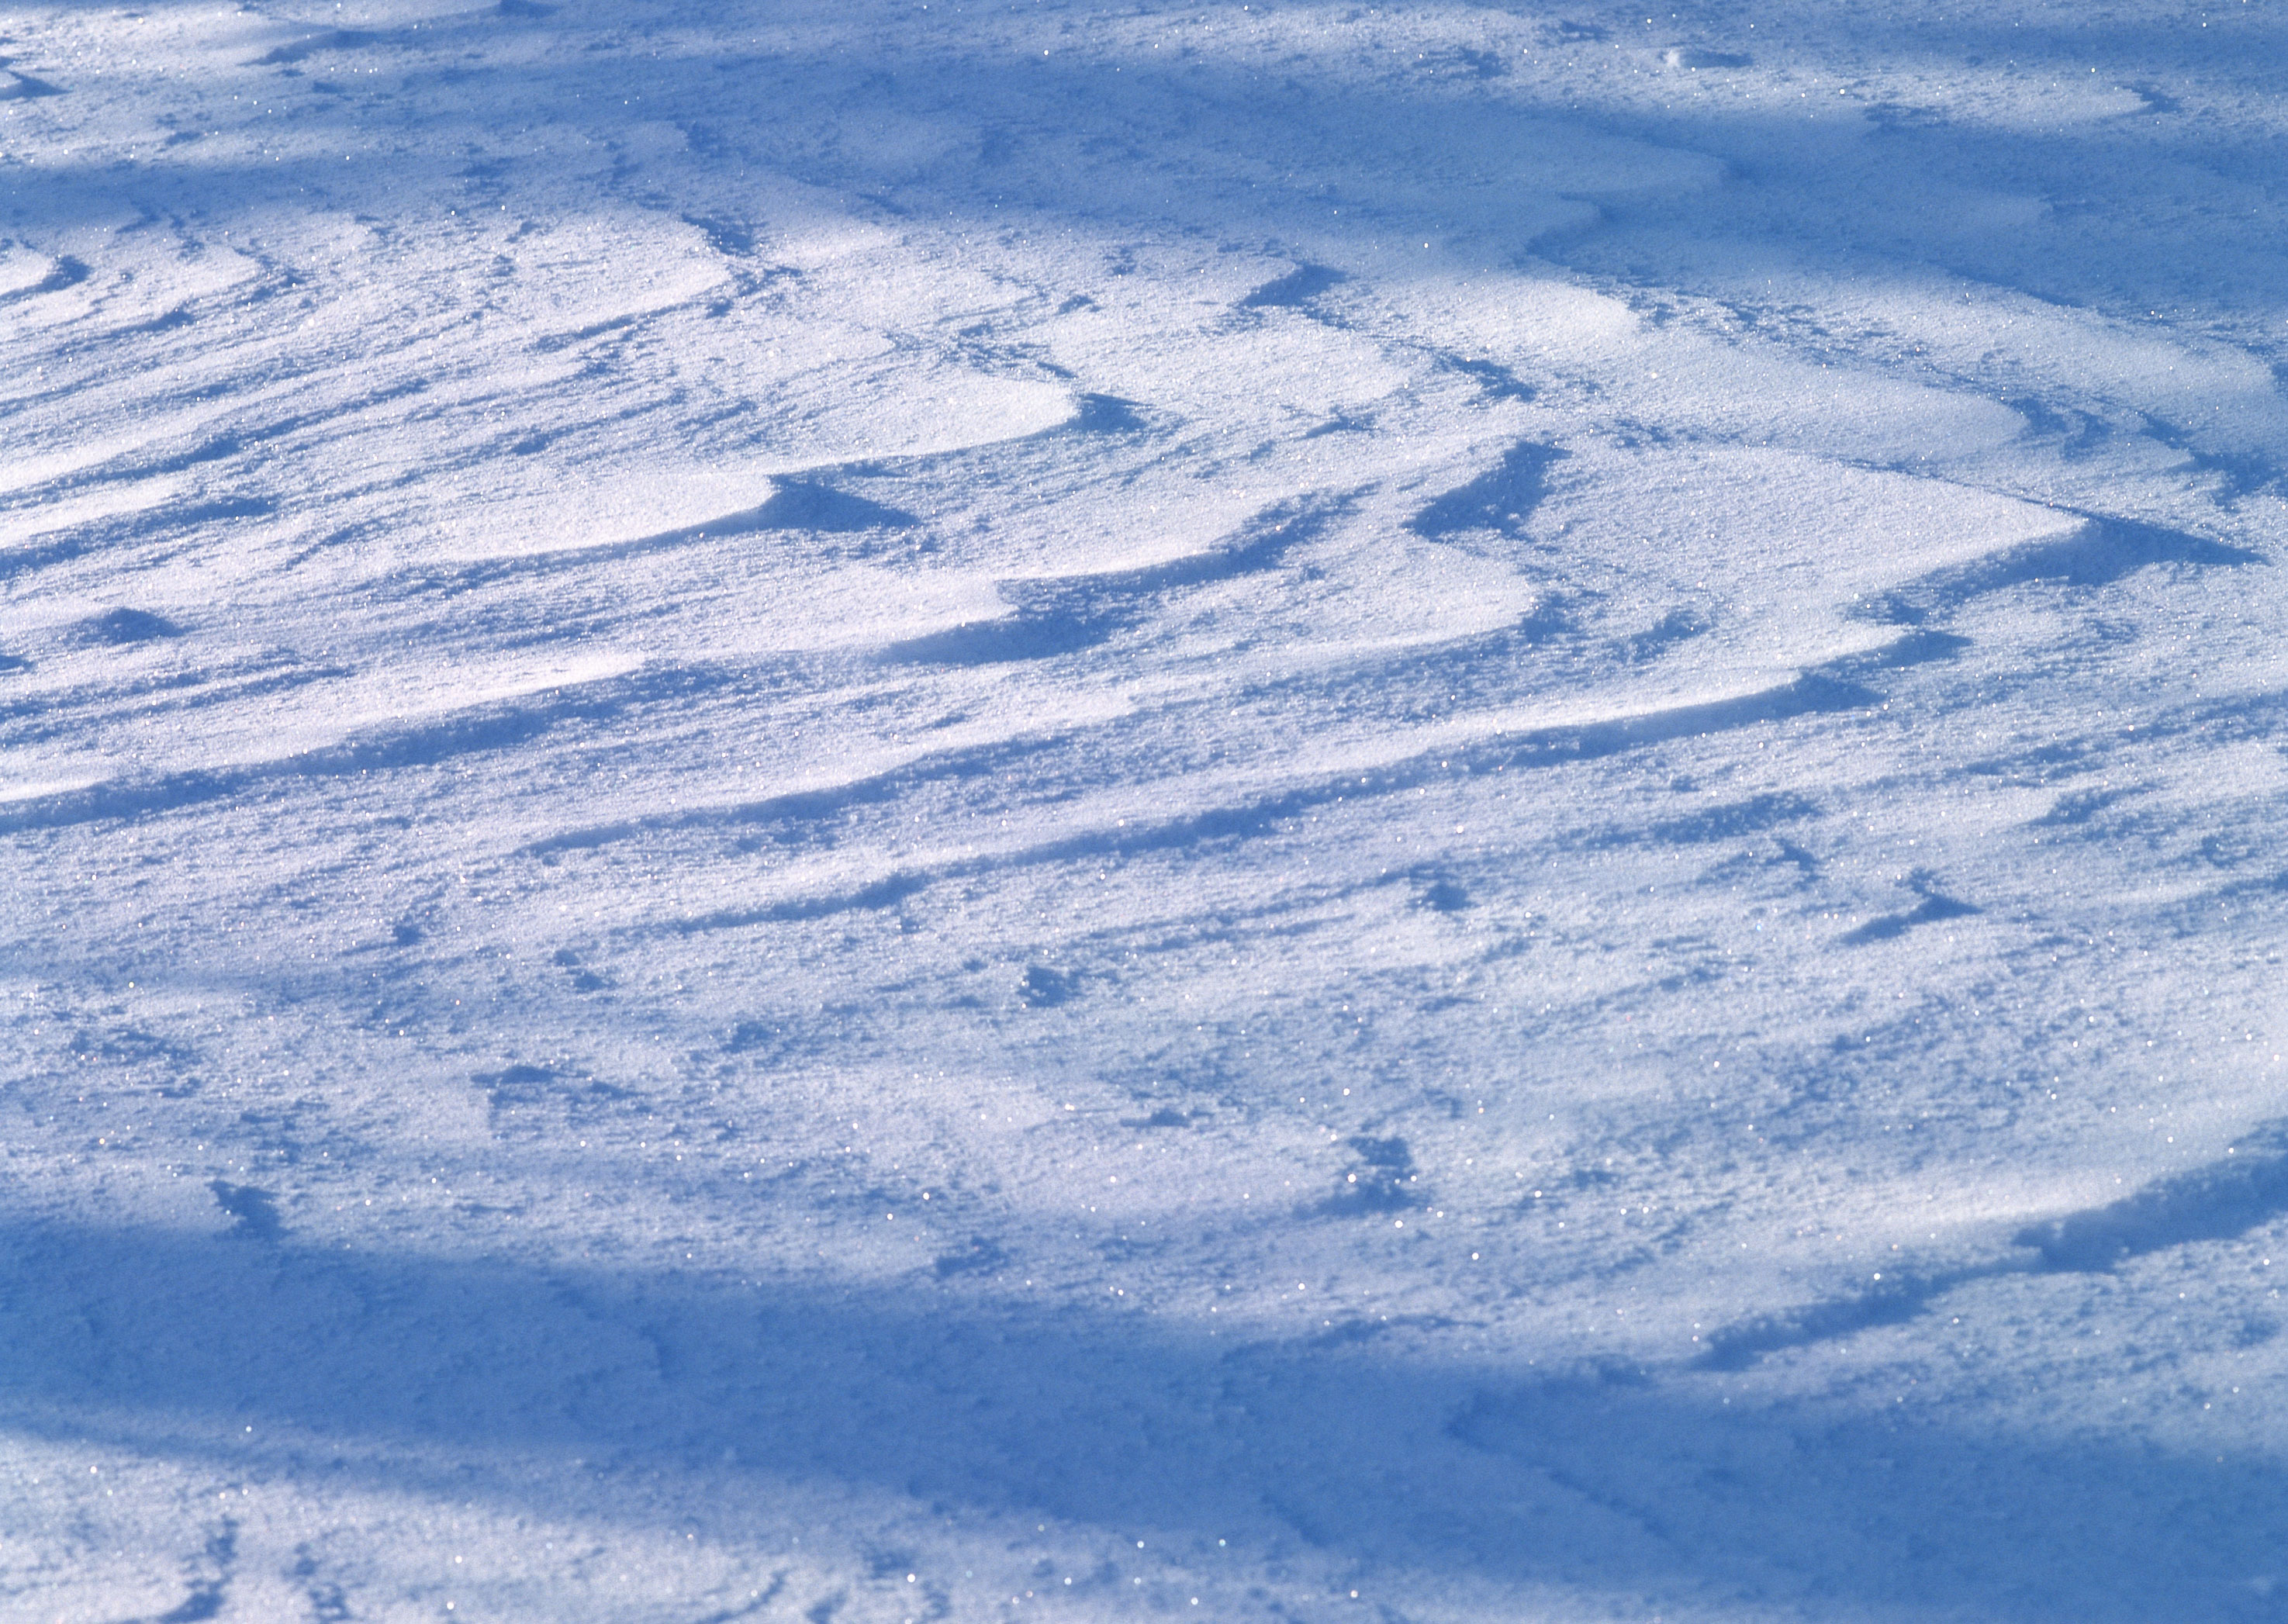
point(858, 810)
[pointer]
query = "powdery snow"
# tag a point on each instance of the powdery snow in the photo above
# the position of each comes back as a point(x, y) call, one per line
point(858, 811)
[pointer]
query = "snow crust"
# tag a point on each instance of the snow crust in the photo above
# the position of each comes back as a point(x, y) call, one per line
point(885, 811)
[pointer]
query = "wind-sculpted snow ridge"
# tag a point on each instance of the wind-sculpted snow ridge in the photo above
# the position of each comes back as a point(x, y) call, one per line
point(1280, 812)
point(2246, 1191)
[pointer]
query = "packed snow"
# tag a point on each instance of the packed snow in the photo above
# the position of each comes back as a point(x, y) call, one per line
point(854, 810)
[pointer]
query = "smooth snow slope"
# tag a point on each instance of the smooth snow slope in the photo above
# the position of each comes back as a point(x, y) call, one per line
point(870, 811)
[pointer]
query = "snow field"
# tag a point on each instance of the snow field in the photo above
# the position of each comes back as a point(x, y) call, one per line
point(1272, 811)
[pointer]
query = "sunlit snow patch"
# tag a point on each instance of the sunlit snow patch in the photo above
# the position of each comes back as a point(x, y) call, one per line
point(318, 728)
point(1783, 560)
